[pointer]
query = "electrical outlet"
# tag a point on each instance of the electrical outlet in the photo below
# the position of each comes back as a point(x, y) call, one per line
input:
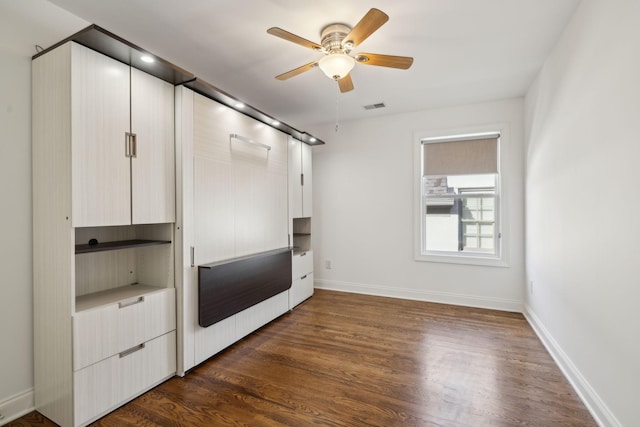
point(327, 264)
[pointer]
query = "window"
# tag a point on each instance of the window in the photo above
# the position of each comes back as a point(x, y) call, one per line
point(459, 196)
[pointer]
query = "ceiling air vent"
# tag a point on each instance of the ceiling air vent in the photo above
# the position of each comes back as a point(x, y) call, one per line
point(374, 106)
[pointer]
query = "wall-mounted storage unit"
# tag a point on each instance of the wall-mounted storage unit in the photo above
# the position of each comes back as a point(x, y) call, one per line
point(232, 202)
point(300, 211)
point(104, 295)
point(300, 179)
point(122, 143)
point(109, 227)
point(302, 277)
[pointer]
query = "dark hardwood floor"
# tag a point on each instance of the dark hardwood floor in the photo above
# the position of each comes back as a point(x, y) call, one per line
point(352, 360)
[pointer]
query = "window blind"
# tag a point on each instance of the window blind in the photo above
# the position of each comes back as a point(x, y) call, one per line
point(466, 156)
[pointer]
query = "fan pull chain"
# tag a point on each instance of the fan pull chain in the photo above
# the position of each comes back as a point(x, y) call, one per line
point(337, 106)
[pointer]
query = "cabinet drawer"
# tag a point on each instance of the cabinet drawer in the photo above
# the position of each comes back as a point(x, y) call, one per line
point(102, 332)
point(301, 264)
point(301, 289)
point(103, 386)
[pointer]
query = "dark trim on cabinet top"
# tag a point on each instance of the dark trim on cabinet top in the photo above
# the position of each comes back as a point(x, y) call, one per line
point(206, 89)
point(113, 46)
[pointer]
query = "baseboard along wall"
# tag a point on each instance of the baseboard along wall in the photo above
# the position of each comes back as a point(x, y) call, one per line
point(16, 406)
point(419, 295)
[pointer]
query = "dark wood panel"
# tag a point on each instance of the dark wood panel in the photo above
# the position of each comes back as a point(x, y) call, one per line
point(353, 360)
point(113, 46)
point(116, 245)
point(226, 288)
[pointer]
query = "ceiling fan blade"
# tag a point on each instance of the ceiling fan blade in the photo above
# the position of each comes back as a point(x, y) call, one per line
point(345, 84)
point(402, 62)
point(296, 71)
point(373, 20)
point(279, 32)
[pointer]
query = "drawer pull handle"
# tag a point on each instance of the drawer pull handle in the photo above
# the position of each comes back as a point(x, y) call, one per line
point(131, 350)
point(304, 277)
point(131, 302)
point(303, 254)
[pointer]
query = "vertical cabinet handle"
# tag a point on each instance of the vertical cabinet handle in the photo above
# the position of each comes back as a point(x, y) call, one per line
point(130, 144)
point(134, 145)
point(301, 179)
point(193, 256)
point(127, 144)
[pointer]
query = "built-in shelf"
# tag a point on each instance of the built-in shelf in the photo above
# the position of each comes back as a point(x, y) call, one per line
point(112, 296)
point(120, 244)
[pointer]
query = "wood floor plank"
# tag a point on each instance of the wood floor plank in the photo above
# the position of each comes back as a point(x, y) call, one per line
point(353, 360)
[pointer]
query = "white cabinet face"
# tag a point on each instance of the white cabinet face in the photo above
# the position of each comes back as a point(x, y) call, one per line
point(300, 179)
point(307, 180)
point(153, 167)
point(105, 331)
point(295, 178)
point(105, 385)
point(301, 289)
point(117, 179)
point(240, 188)
point(99, 123)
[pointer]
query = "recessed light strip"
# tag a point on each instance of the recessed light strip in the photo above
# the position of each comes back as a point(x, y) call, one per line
point(202, 87)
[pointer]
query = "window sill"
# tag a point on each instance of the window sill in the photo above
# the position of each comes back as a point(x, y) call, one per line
point(487, 261)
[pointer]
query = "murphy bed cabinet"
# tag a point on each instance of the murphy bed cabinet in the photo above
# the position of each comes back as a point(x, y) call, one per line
point(103, 233)
point(300, 205)
point(232, 202)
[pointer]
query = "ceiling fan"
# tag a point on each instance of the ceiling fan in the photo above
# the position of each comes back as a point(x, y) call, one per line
point(337, 42)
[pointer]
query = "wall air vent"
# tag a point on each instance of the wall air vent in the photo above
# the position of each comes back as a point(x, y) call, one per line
point(374, 106)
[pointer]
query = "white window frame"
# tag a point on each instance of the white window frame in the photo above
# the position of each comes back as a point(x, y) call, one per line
point(500, 258)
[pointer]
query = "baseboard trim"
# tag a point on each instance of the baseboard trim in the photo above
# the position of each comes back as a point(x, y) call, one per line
point(420, 295)
point(596, 406)
point(16, 406)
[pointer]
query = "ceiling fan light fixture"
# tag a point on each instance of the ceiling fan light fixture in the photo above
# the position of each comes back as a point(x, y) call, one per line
point(336, 65)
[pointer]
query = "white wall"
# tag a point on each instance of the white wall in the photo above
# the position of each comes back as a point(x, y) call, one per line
point(583, 147)
point(363, 209)
point(16, 357)
point(23, 23)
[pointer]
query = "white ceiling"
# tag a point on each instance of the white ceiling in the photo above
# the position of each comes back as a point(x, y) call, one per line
point(465, 51)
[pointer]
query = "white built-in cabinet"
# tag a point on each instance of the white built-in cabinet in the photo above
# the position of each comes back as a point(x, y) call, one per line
point(232, 202)
point(302, 277)
point(122, 143)
point(300, 179)
point(300, 207)
point(103, 233)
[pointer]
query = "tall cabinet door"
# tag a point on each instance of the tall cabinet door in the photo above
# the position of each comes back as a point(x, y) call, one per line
point(153, 163)
point(295, 178)
point(99, 122)
point(300, 179)
point(307, 180)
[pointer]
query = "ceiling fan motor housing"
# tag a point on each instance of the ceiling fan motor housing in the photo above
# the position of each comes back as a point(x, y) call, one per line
point(332, 37)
